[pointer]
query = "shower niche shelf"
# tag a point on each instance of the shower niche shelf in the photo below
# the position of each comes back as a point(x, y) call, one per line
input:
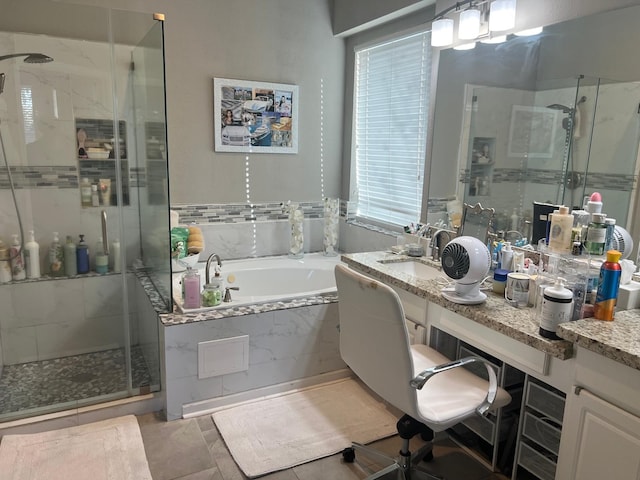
point(47, 278)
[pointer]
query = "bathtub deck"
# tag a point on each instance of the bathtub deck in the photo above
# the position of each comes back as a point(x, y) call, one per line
point(176, 318)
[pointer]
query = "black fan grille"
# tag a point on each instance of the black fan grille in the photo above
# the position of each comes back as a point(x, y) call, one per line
point(455, 261)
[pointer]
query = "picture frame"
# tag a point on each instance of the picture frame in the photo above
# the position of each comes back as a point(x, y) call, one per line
point(255, 117)
point(532, 132)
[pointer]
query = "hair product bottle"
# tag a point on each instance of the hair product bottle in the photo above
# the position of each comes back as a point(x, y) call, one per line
point(5, 265)
point(17, 259)
point(70, 257)
point(56, 257)
point(596, 234)
point(82, 256)
point(608, 284)
point(32, 257)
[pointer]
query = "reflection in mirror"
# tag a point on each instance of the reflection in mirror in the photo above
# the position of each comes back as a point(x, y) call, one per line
point(476, 221)
point(540, 120)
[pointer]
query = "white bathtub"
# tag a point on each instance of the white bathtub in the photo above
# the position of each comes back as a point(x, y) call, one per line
point(269, 279)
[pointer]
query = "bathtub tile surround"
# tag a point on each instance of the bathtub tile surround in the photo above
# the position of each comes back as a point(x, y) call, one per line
point(284, 345)
point(251, 230)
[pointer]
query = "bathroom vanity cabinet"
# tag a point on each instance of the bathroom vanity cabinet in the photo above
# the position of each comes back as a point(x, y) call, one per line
point(580, 410)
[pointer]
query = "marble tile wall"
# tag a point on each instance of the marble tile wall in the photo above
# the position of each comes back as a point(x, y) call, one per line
point(284, 345)
point(49, 319)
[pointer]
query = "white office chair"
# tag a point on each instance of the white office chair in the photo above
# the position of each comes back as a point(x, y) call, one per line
point(426, 386)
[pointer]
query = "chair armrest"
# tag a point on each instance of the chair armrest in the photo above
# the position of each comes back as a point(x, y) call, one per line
point(419, 381)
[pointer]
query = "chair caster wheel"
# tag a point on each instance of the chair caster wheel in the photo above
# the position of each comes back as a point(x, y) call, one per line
point(428, 457)
point(349, 455)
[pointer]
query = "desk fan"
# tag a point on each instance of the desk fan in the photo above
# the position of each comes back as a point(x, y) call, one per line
point(466, 260)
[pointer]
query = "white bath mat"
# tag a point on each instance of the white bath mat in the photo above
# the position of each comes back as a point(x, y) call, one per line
point(107, 450)
point(280, 432)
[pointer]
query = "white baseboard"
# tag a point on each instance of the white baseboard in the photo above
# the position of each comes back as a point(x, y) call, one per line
point(204, 407)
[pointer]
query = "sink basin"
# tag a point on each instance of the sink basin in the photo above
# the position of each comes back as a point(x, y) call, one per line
point(415, 268)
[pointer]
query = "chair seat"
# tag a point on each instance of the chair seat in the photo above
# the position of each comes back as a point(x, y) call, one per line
point(451, 396)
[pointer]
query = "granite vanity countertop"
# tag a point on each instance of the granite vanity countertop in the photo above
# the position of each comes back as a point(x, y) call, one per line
point(617, 340)
point(495, 313)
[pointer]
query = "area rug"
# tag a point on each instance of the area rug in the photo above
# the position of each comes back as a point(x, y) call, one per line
point(107, 450)
point(288, 430)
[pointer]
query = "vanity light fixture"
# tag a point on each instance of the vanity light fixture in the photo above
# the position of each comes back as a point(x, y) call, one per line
point(442, 32)
point(475, 18)
point(469, 26)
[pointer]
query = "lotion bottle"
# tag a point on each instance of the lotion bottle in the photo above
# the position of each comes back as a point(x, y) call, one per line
point(191, 285)
point(32, 257)
point(85, 192)
point(557, 307)
point(17, 259)
point(115, 256)
point(506, 255)
point(560, 231)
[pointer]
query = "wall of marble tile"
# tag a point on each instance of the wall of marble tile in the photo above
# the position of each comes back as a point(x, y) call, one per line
point(284, 345)
point(49, 319)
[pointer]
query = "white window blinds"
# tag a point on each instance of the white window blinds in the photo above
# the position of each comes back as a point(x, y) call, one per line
point(391, 110)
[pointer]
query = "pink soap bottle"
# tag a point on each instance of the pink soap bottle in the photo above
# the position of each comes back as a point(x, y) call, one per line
point(191, 285)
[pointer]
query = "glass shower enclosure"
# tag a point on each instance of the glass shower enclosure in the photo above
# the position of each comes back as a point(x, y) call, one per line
point(83, 159)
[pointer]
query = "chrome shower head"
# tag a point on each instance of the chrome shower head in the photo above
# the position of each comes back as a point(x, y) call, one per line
point(30, 57)
point(562, 108)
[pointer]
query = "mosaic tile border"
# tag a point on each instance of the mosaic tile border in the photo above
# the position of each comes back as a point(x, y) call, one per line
point(39, 176)
point(242, 212)
point(595, 180)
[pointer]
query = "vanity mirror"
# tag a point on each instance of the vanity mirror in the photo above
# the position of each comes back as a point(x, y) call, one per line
point(541, 118)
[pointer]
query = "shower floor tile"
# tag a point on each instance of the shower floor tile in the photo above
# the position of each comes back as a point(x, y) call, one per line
point(48, 383)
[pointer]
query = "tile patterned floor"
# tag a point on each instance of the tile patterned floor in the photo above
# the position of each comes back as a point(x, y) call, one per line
point(41, 384)
point(192, 449)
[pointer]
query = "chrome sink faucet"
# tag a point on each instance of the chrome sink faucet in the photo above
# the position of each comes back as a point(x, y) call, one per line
point(211, 257)
point(437, 245)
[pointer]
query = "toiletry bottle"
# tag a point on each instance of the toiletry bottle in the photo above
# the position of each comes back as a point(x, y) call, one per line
point(212, 292)
point(32, 257)
point(499, 281)
point(17, 259)
point(5, 264)
point(82, 256)
point(596, 234)
point(95, 199)
point(594, 204)
point(557, 307)
point(70, 257)
point(560, 231)
point(115, 256)
point(515, 220)
point(610, 225)
point(56, 257)
point(608, 284)
point(507, 257)
point(85, 193)
point(191, 283)
point(100, 258)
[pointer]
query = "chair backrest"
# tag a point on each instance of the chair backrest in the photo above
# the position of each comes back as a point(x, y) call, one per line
point(373, 337)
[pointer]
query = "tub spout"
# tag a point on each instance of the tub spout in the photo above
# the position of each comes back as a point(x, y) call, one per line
point(211, 257)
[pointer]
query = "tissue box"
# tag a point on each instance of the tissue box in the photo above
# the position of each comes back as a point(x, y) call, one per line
point(628, 296)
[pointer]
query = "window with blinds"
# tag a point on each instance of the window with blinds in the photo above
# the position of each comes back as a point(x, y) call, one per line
point(392, 83)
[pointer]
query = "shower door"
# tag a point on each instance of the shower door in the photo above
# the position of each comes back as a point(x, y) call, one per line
point(69, 340)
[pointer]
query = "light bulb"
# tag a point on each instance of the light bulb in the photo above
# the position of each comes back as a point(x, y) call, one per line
point(469, 25)
point(442, 32)
point(502, 15)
